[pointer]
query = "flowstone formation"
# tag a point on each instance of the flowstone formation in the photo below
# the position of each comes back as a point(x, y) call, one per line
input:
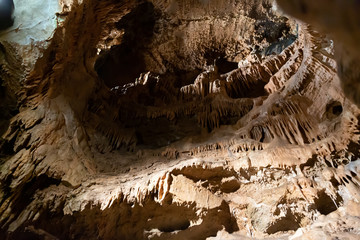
point(177, 120)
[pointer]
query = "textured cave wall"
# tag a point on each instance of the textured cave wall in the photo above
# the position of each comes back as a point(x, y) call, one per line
point(177, 120)
point(340, 20)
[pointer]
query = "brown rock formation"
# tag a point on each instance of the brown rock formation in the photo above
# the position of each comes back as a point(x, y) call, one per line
point(340, 19)
point(177, 120)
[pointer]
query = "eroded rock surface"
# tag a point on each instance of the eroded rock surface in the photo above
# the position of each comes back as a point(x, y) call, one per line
point(340, 20)
point(177, 120)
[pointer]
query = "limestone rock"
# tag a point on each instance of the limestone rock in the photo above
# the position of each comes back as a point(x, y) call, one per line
point(179, 120)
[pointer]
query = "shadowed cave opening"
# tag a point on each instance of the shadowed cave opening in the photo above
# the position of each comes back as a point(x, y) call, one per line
point(333, 109)
point(6, 14)
point(8, 109)
point(217, 57)
point(289, 222)
point(29, 191)
point(325, 204)
point(162, 132)
point(123, 63)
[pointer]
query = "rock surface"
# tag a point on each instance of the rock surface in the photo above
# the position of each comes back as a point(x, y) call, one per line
point(177, 120)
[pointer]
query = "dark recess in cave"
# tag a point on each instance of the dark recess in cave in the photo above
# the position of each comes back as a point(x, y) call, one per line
point(289, 222)
point(218, 58)
point(325, 205)
point(333, 110)
point(161, 132)
point(123, 63)
point(256, 90)
point(6, 14)
point(8, 109)
point(182, 77)
point(22, 201)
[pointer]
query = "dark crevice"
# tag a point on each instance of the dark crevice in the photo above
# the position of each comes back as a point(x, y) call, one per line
point(123, 63)
point(334, 182)
point(240, 90)
point(354, 149)
point(325, 204)
point(154, 133)
point(177, 224)
point(6, 14)
point(200, 173)
point(303, 134)
point(333, 110)
point(24, 196)
point(217, 57)
point(182, 77)
point(310, 162)
point(8, 109)
point(289, 222)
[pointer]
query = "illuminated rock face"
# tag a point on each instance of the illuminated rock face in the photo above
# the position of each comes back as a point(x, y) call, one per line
point(177, 120)
point(32, 22)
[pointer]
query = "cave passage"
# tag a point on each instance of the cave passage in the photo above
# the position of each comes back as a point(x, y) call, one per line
point(123, 63)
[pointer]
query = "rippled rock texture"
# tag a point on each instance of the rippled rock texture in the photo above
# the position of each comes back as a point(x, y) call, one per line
point(177, 120)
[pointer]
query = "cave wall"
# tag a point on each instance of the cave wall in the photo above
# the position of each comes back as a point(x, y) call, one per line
point(177, 120)
point(340, 21)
